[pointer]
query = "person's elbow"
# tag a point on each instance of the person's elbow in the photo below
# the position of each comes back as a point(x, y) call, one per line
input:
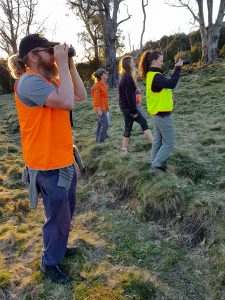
point(83, 95)
point(68, 106)
point(80, 99)
point(173, 85)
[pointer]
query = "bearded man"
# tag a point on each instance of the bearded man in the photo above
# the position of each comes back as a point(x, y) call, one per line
point(45, 90)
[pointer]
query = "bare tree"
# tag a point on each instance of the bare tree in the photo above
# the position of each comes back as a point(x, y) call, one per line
point(16, 18)
point(108, 12)
point(209, 32)
point(88, 12)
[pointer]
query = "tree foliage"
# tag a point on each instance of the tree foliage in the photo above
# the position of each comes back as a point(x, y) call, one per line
point(6, 81)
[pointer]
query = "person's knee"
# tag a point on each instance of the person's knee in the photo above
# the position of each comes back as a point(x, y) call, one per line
point(126, 133)
point(170, 144)
point(144, 126)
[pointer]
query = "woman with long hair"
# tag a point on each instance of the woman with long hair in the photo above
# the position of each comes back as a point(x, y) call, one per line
point(128, 103)
point(159, 100)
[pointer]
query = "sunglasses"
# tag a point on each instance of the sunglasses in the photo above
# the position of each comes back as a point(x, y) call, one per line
point(48, 50)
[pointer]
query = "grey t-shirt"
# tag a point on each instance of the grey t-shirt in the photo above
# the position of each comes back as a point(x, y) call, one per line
point(33, 90)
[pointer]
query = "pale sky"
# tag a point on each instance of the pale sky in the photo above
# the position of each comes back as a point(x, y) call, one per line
point(63, 25)
point(161, 20)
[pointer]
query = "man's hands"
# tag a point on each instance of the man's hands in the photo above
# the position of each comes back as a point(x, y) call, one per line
point(61, 54)
point(70, 59)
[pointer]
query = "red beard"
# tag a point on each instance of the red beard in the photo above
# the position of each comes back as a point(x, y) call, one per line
point(50, 68)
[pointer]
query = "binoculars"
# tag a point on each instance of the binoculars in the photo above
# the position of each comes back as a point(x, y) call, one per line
point(71, 51)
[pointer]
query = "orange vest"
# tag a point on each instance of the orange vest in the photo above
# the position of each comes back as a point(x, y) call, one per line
point(99, 93)
point(46, 134)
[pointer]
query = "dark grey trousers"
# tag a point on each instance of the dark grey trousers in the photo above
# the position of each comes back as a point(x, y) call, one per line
point(164, 139)
point(59, 204)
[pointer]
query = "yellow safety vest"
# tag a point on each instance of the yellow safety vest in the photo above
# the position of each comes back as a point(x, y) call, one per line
point(157, 101)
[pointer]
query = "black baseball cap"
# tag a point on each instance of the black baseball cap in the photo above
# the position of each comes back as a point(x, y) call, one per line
point(33, 41)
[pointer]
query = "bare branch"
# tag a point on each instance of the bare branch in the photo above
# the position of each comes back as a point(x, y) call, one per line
point(124, 20)
point(185, 5)
point(144, 21)
point(16, 17)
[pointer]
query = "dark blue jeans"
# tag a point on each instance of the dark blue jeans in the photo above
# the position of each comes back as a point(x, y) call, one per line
point(59, 205)
point(102, 127)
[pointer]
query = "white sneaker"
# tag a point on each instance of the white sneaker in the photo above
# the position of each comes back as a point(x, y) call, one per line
point(124, 150)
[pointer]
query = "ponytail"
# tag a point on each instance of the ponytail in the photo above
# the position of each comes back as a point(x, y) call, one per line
point(146, 61)
point(16, 66)
point(95, 77)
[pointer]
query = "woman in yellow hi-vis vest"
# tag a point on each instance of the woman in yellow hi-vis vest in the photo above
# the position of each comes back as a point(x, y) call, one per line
point(159, 100)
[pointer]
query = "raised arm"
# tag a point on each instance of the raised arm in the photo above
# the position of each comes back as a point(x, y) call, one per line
point(63, 98)
point(80, 93)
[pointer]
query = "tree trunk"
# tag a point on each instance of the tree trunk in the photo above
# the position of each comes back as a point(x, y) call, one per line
point(110, 64)
point(210, 34)
point(109, 33)
point(209, 44)
point(110, 25)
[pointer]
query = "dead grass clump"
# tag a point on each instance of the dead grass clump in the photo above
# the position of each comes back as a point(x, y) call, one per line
point(19, 195)
point(22, 206)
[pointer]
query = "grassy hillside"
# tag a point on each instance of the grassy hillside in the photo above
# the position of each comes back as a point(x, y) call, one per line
point(140, 235)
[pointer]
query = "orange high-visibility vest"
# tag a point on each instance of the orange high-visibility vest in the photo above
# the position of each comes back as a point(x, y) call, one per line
point(46, 134)
point(99, 93)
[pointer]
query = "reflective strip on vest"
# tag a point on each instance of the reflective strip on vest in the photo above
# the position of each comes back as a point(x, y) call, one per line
point(46, 135)
point(157, 101)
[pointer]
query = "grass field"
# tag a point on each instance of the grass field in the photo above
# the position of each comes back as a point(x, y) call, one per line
point(140, 235)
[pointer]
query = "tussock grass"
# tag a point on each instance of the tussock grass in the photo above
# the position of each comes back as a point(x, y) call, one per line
point(164, 198)
point(3, 150)
point(14, 172)
point(203, 217)
point(12, 149)
point(186, 166)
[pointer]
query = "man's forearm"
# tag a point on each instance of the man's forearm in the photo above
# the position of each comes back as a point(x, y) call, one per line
point(66, 85)
point(78, 85)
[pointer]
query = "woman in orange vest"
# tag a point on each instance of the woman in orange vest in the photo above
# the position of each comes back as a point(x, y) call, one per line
point(99, 93)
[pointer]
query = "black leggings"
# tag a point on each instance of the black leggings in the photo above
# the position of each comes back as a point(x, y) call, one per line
point(129, 120)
